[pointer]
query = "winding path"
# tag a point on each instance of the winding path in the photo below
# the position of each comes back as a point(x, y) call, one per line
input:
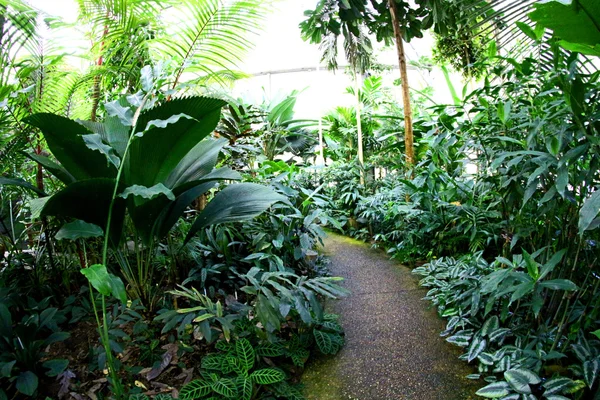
point(393, 349)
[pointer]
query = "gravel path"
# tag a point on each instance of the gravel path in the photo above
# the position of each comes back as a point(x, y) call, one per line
point(393, 349)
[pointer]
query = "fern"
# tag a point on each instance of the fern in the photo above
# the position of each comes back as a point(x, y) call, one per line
point(209, 35)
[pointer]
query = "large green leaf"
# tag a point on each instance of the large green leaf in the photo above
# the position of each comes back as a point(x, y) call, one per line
point(245, 353)
point(267, 376)
point(494, 390)
point(477, 346)
point(54, 168)
point(36, 206)
point(104, 282)
point(589, 211)
point(94, 142)
point(89, 201)
point(324, 342)
point(27, 383)
point(590, 371)
point(154, 156)
point(520, 379)
point(283, 111)
point(112, 132)
point(490, 326)
point(577, 24)
point(21, 183)
point(559, 284)
point(558, 386)
point(157, 216)
point(64, 138)
point(245, 388)
point(148, 192)
point(225, 387)
point(200, 161)
point(195, 390)
point(235, 203)
point(78, 230)
point(98, 276)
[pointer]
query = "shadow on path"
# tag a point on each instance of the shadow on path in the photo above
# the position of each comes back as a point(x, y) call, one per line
point(393, 349)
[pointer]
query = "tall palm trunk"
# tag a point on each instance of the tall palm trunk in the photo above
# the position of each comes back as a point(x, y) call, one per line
point(361, 158)
point(98, 78)
point(408, 126)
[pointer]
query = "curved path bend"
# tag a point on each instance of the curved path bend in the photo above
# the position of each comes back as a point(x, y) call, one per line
point(393, 349)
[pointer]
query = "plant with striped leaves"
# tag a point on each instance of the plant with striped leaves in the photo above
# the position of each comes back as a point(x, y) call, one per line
point(235, 373)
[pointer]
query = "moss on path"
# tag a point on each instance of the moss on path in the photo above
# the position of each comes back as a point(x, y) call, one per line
point(393, 349)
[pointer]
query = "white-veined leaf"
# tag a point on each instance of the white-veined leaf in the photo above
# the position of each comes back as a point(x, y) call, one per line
point(590, 371)
point(486, 358)
point(558, 385)
point(494, 390)
point(520, 379)
point(489, 326)
point(477, 346)
point(461, 340)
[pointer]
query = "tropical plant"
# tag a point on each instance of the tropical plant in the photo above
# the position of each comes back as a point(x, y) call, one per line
point(234, 374)
point(99, 158)
point(23, 346)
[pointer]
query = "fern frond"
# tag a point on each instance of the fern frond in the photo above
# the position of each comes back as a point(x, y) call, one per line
point(208, 35)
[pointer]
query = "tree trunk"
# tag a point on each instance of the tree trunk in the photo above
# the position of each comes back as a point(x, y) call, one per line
point(2, 22)
point(361, 158)
point(97, 78)
point(408, 126)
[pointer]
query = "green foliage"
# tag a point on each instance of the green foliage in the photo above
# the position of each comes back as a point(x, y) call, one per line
point(502, 210)
point(129, 170)
point(487, 308)
point(575, 23)
point(180, 163)
point(232, 373)
point(23, 346)
point(105, 283)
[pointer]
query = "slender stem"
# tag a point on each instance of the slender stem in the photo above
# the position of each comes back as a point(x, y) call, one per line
point(118, 178)
point(116, 385)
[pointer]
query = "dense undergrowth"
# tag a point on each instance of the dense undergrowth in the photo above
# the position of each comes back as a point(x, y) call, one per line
point(219, 300)
point(499, 216)
point(158, 238)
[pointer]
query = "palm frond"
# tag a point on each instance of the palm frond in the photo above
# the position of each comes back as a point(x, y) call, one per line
point(208, 35)
point(498, 20)
point(18, 31)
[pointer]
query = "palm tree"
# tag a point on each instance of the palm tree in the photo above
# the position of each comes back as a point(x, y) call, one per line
point(201, 39)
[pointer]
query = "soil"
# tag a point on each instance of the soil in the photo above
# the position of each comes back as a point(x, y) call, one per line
point(87, 384)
